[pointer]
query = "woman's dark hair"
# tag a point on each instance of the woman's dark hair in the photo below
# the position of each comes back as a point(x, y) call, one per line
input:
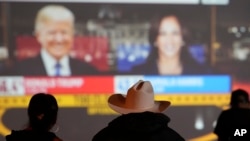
point(42, 111)
point(235, 97)
point(185, 56)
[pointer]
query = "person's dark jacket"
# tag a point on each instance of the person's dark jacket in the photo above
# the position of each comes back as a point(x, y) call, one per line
point(230, 120)
point(30, 135)
point(145, 126)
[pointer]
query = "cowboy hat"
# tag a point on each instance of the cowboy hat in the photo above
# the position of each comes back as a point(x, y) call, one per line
point(140, 98)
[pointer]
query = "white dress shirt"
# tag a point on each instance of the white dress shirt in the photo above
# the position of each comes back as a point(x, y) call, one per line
point(50, 62)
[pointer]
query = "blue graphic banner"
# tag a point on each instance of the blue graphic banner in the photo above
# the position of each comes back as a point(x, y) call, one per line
point(179, 84)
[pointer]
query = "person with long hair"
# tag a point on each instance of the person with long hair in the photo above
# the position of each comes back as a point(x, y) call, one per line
point(42, 113)
point(169, 50)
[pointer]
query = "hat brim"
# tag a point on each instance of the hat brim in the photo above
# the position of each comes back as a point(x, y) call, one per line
point(117, 103)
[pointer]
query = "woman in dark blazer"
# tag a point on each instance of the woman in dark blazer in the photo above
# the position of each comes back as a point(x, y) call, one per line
point(169, 53)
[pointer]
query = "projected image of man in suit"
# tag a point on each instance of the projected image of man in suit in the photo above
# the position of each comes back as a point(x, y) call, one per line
point(54, 30)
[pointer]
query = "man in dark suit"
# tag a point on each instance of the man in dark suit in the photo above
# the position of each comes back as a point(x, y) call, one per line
point(54, 30)
point(35, 67)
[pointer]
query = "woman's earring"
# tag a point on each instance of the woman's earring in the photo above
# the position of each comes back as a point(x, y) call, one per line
point(55, 128)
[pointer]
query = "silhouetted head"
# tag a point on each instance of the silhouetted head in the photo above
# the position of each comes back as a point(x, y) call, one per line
point(42, 111)
point(239, 96)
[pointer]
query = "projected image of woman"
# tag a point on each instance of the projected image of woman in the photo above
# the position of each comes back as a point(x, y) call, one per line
point(169, 54)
